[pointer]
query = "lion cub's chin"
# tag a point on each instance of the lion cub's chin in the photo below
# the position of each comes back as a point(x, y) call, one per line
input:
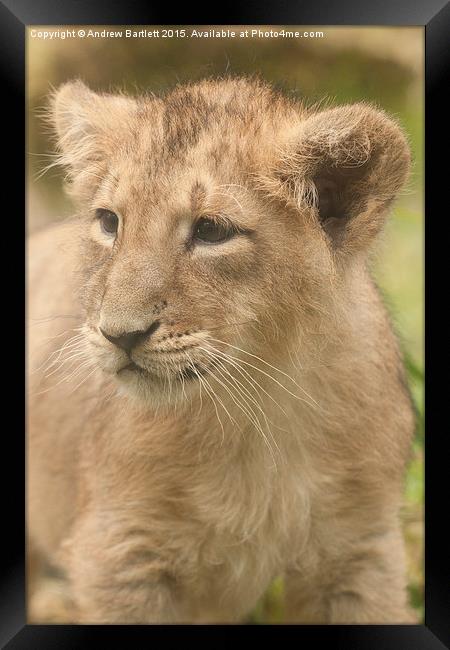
point(162, 393)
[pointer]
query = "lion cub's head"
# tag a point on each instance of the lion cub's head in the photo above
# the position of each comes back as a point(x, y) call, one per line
point(220, 215)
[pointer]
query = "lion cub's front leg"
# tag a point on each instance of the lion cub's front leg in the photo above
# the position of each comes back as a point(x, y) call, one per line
point(117, 578)
point(364, 583)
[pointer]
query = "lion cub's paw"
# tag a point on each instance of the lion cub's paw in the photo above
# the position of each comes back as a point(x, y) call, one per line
point(51, 603)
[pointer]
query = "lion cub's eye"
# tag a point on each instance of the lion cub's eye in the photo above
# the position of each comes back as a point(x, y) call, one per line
point(109, 221)
point(212, 232)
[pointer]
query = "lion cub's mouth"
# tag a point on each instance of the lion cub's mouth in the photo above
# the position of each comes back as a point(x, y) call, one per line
point(187, 373)
point(133, 367)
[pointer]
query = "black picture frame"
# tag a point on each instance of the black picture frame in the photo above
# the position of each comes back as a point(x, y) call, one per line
point(434, 15)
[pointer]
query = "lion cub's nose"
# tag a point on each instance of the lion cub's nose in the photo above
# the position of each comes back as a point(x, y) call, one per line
point(128, 340)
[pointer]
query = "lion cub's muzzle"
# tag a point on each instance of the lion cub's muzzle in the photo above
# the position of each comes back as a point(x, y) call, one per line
point(165, 350)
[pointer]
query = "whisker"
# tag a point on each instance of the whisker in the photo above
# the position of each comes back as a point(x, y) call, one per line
point(83, 381)
point(244, 389)
point(76, 355)
point(249, 394)
point(254, 419)
point(270, 366)
point(245, 408)
point(71, 343)
point(233, 361)
point(210, 395)
point(232, 420)
point(65, 378)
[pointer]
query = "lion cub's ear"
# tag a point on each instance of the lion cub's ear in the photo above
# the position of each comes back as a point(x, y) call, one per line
point(347, 164)
point(87, 123)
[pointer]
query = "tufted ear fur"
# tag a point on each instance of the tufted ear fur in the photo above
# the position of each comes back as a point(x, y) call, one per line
point(87, 124)
point(347, 164)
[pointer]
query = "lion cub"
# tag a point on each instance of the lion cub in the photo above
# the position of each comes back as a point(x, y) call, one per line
point(216, 396)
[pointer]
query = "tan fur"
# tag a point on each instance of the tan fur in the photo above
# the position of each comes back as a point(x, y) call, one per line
point(167, 500)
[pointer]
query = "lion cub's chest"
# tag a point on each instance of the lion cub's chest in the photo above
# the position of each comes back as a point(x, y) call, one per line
point(222, 524)
point(251, 503)
point(248, 536)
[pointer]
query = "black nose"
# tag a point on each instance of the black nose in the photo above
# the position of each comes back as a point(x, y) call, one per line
point(129, 340)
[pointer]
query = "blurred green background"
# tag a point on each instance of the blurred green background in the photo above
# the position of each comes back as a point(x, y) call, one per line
point(380, 65)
